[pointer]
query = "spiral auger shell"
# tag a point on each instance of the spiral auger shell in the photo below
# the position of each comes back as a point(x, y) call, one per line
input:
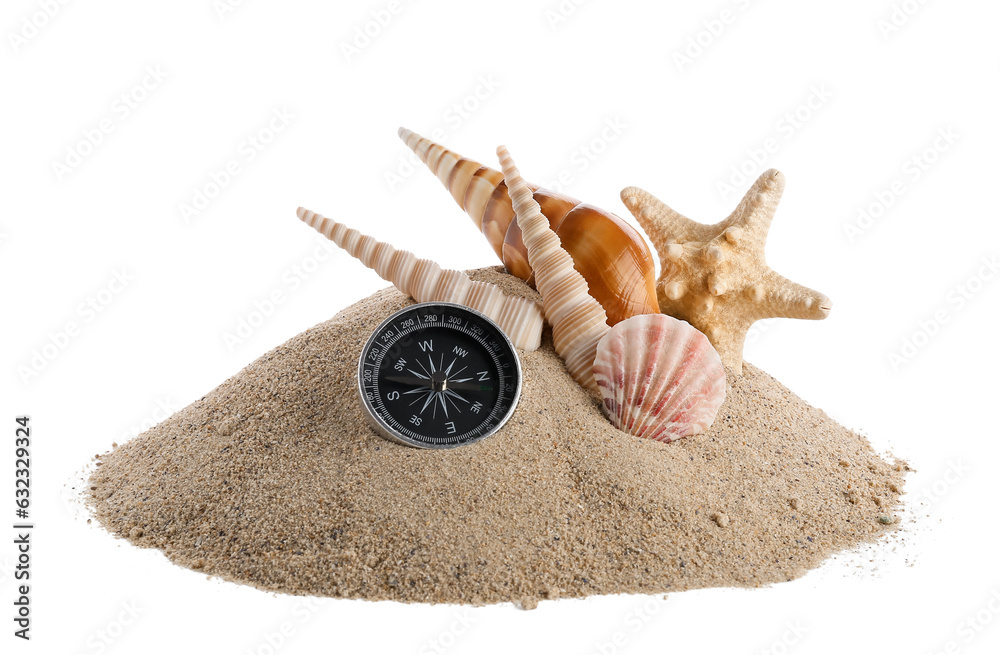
point(578, 321)
point(425, 281)
point(611, 255)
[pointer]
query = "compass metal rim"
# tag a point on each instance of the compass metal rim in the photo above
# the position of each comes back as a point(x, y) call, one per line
point(384, 430)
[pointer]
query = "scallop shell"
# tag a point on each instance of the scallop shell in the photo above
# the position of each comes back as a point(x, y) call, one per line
point(611, 255)
point(578, 321)
point(425, 281)
point(660, 377)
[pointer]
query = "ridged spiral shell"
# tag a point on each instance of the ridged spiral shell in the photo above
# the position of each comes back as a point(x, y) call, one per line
point(578, 321)
point(425, 281)
point(611, 255)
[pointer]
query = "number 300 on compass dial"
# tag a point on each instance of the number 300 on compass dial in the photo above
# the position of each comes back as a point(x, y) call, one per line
point(438, 375)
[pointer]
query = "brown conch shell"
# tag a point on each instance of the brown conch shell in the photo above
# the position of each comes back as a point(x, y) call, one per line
point(423, 280)
point(611, 255)
point(651, 388)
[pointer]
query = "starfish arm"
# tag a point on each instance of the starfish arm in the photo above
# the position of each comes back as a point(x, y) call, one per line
point(777, 296)
point(750, 221)
point(662, 224)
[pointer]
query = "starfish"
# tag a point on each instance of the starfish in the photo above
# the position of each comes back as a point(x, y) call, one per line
point(714, 276)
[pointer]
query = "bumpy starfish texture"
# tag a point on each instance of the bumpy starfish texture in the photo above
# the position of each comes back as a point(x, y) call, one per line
point(715, 276)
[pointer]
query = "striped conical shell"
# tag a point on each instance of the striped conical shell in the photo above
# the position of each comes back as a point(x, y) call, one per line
point(578, 321)
point(611, 255)
point(425, 281)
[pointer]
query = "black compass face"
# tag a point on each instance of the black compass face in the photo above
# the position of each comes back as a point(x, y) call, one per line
point(438, 375)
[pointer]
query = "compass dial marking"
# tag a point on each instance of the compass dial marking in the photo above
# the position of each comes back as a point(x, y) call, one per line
point(412, 337)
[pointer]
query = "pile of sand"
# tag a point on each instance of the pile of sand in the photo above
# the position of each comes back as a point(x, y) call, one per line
point(274, 479)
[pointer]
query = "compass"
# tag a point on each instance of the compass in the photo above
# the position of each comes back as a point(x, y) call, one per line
point(438, 375)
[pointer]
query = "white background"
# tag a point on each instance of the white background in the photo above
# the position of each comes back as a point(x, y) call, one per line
point(546, 84)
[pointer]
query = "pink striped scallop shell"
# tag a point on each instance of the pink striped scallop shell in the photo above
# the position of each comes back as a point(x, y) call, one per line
point(660, 377)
